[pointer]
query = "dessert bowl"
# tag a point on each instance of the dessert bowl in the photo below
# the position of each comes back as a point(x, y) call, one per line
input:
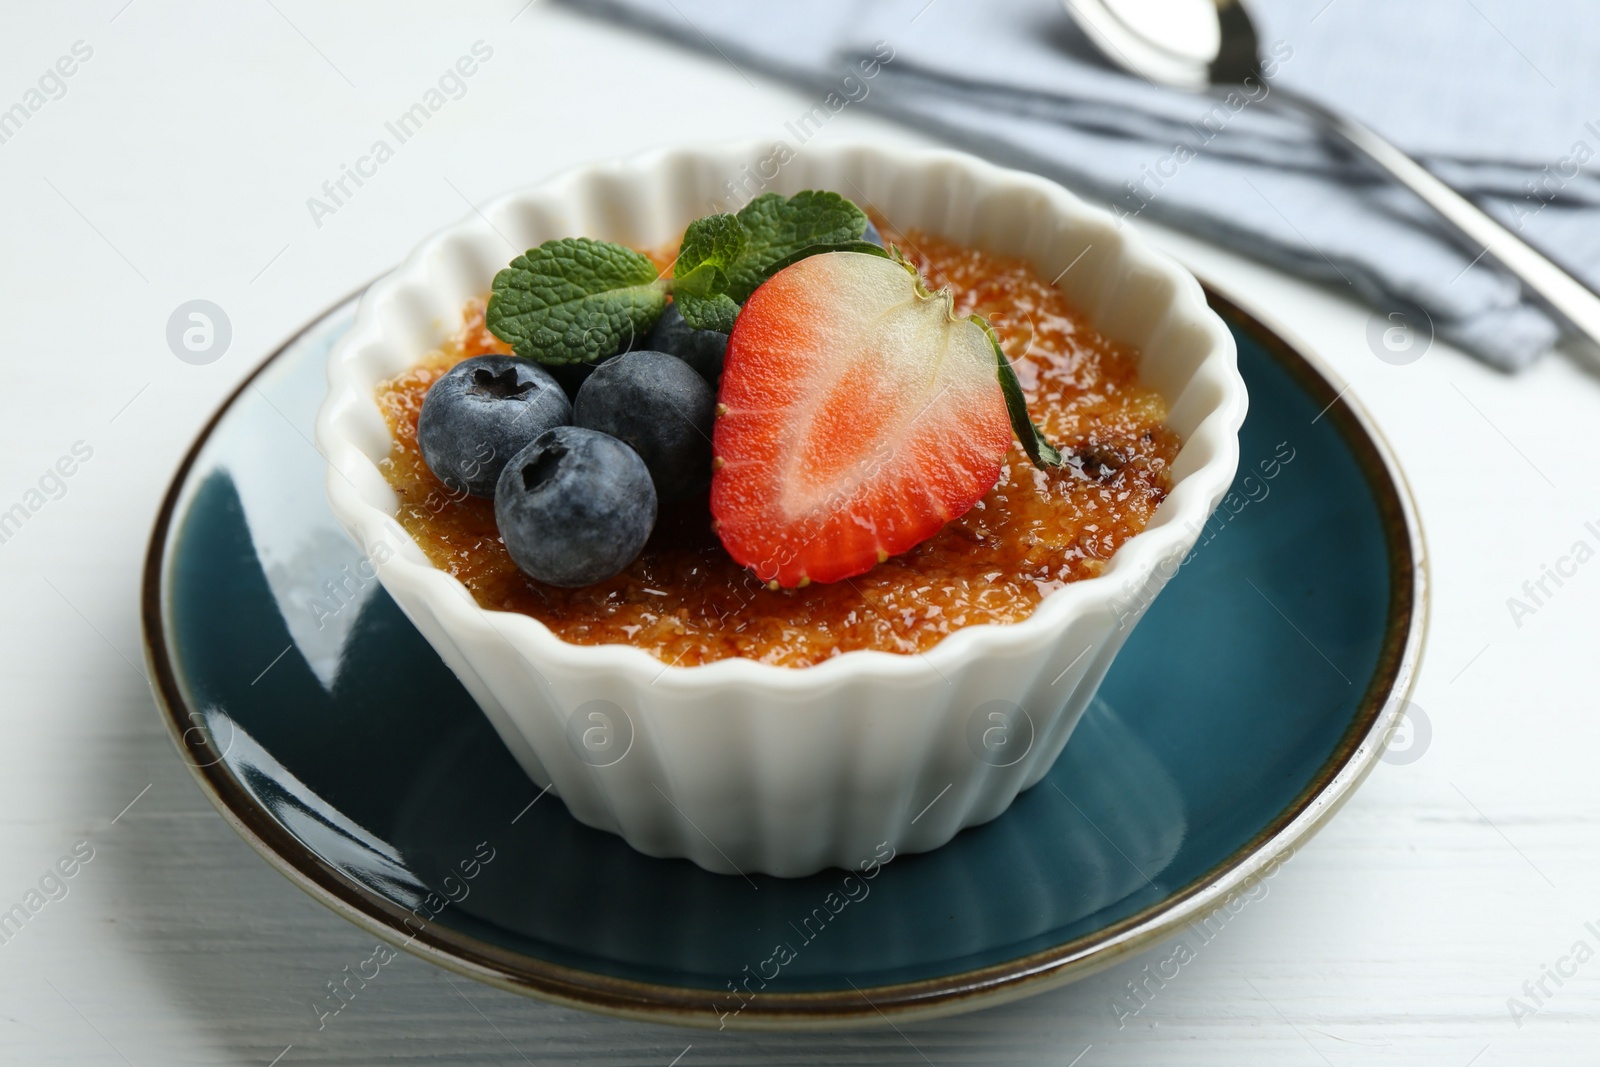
point(738, 765)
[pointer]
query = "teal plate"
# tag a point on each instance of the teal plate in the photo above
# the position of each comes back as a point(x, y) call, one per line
point(1254, 695)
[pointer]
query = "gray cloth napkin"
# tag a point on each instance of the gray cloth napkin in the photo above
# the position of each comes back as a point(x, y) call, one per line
point(1501, 100)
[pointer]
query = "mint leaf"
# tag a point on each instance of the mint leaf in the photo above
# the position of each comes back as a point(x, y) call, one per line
point(575, 300)
point(708, 313)
point(1040, 451)
point(777, 229)
point(715, 240)
point(700, 277)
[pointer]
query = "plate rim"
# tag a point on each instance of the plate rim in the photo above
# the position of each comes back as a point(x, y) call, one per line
point(1347, 766)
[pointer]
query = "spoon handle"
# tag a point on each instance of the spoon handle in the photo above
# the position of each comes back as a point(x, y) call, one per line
point(1565, 294)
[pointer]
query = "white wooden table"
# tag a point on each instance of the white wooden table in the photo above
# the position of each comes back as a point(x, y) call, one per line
point(176, 163)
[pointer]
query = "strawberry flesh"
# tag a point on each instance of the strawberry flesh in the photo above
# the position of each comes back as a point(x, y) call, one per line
point(857, 418)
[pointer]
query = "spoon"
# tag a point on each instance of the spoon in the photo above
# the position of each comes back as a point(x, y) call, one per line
point(1195, 45)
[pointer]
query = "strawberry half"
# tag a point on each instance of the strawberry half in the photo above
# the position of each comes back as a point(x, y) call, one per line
point(857, 417)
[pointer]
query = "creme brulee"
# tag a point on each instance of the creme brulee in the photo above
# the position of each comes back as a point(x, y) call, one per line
point(685, 601)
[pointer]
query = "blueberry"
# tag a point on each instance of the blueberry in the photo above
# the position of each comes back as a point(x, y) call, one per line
point(573, 375)
point(701, 349)
point(483, 412)
point(661, 407)
point(574, 507)
point(570, 376)
point(873, 235)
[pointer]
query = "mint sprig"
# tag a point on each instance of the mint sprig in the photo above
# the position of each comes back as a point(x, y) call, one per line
point(711, 246)
point(779, 229)
point(578, 300)
point(575, 300)
point(725, 258)
point(1043, 454)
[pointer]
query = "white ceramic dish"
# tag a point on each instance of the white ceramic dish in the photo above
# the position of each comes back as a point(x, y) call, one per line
point(736, 765)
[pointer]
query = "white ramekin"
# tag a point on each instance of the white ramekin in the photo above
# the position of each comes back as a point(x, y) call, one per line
point(739, 766)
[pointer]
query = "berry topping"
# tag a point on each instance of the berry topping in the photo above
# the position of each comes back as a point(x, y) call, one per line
point(701, 349)
point(861, 414)
point(483, 412)
point(857, 416)
point(574, 507)
point(660, 406)
point(570, 376)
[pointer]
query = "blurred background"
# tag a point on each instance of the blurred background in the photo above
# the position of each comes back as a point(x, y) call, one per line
point(159, 157)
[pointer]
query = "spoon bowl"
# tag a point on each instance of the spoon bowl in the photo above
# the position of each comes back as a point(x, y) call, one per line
point(1169, 42)
point(1198, 45)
